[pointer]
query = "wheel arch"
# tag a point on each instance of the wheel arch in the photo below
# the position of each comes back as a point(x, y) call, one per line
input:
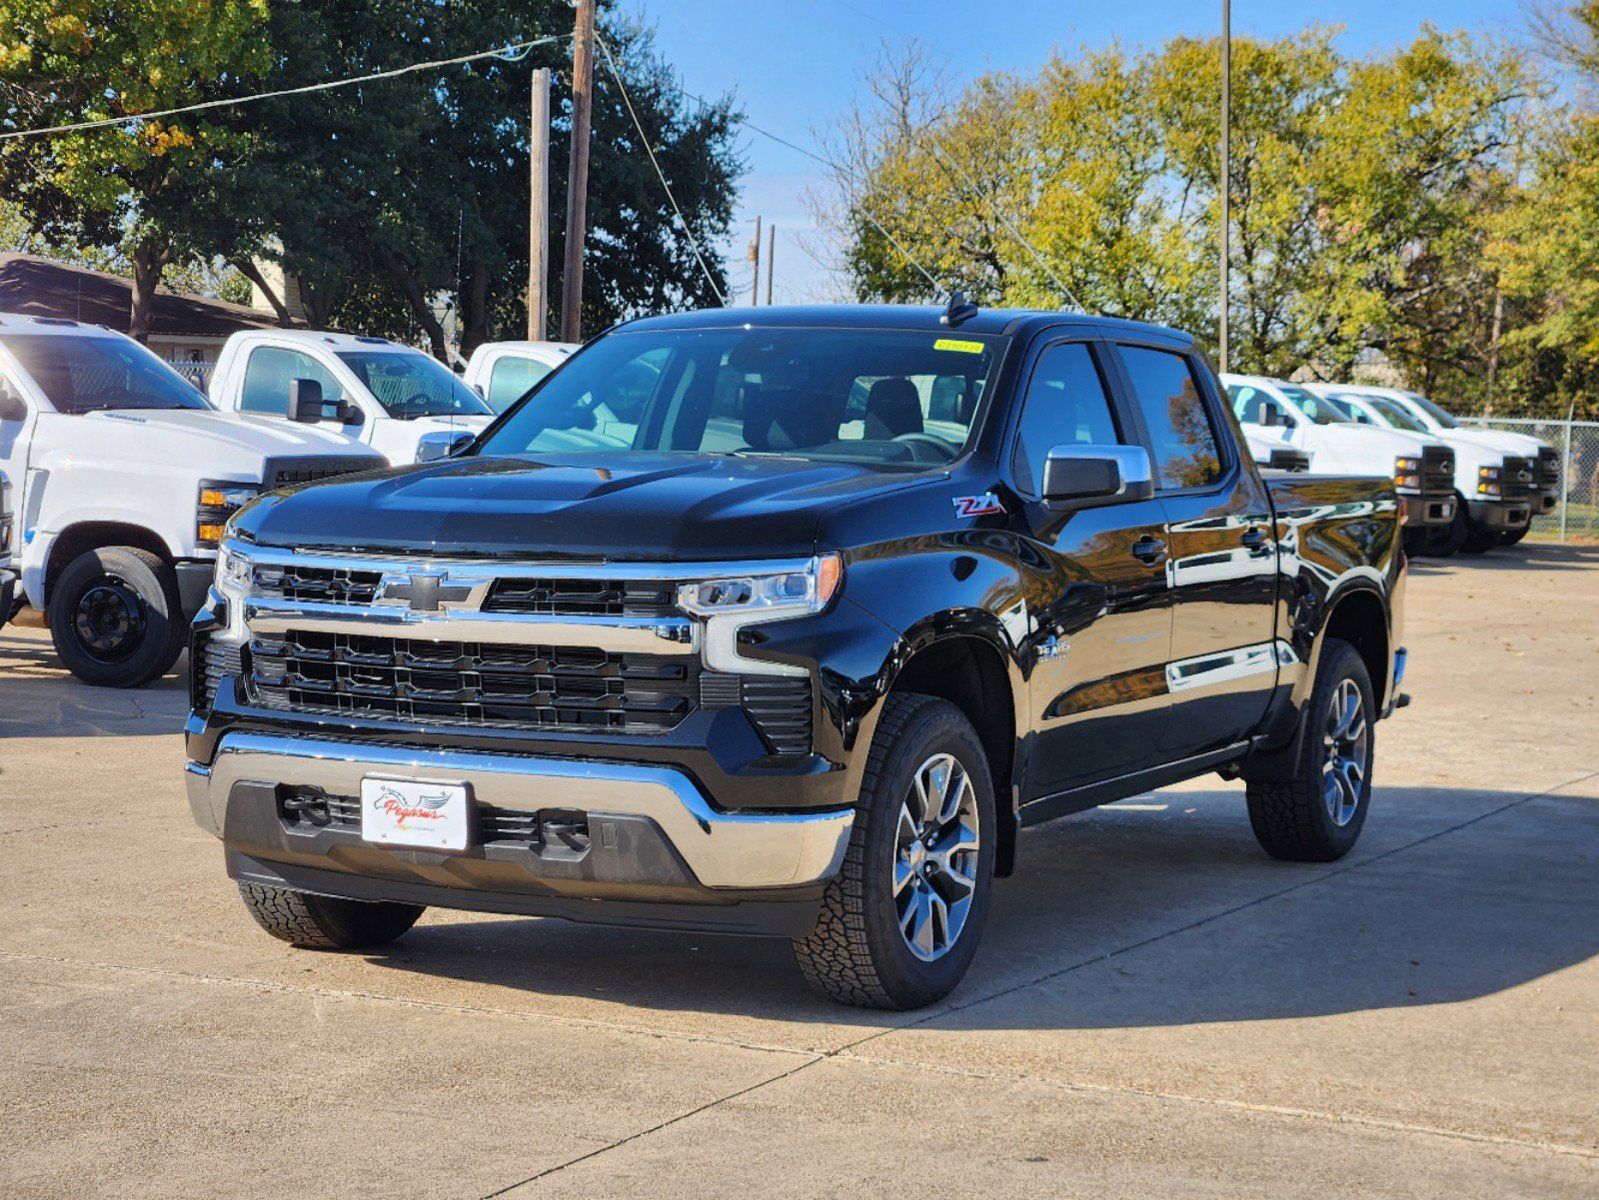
point(84, 536)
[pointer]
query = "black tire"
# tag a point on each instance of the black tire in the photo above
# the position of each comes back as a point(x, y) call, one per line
point(325, 922)
point(116, 618)
point(1293, 819)
point(1511, 536)
point(857, 954)
point(1418, 541)
point(1480, 540)
point(1446, 540)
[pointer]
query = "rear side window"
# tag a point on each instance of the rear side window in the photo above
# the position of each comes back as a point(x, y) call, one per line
point(268, 372)
point(512, 378)
point(1066, 404)
point(1182, 439)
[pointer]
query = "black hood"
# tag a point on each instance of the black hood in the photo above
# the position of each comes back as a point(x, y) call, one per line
point(633, 506)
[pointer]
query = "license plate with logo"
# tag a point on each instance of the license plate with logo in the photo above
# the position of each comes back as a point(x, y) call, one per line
point(412, 812)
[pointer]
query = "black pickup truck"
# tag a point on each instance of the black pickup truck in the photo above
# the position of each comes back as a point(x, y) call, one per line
point(785, 622)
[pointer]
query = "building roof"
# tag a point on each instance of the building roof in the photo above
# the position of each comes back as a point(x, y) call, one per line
point(39, 287)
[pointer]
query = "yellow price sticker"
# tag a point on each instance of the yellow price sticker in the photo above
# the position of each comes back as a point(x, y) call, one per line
point(959, 345)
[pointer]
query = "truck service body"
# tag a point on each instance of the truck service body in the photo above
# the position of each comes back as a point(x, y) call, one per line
point(853, 596)
point(122, 476)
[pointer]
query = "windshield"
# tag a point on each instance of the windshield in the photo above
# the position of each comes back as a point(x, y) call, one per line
point(410, 385)
point(96, 374)
point(1320, 409)
point(1394, 414)
point(1437, 414)
point(885, 397)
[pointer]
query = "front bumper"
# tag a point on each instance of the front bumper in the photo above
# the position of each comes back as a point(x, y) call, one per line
point(1427, 510)
point(653, 850)
point(1500, 514)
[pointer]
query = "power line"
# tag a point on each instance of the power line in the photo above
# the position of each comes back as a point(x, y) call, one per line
point(610, 61)
point(513, 52)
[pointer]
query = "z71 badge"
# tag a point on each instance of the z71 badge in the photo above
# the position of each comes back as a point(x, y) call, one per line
point(978, 506)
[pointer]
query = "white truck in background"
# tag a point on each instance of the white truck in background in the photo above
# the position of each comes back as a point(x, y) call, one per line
point(369, 391)
point(1422, 467)
point(121, 478)
point(1485, 492)
point(503, 372)
point(8, 577)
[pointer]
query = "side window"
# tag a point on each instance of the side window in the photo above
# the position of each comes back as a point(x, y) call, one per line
point(267, 373)
point(1184, 444)
point(1066, 403)
point(511, 378)
point(1247, 402)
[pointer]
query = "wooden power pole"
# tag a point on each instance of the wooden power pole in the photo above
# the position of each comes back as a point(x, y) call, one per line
point(755, 261)
point(577, 177)
point(771, 259)
point(538, 208)
point(1226, 168)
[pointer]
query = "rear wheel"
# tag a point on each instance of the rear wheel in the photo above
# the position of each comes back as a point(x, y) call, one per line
point(116, 617)
point(326, 922)
point(1317, 814)
point(901, 921)
point(1480, 540)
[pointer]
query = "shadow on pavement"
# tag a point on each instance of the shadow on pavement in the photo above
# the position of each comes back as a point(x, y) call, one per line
point(1486, 909)
point(1542, 556)
point(41, 698)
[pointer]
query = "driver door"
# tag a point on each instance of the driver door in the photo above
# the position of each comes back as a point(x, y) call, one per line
point(264, 390)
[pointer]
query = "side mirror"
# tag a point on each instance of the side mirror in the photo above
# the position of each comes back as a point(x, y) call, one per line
point(349, 412)
point(481, 394)
point(1084, 475)
point(11, 406)
point(1271, 413)
point(431, 447)
point(305, 401)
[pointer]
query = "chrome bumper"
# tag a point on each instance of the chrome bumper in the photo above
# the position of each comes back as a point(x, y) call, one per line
point(723, 850)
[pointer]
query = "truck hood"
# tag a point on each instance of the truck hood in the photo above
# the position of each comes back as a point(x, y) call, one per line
point(217, 445)
point(1368, 439)
point(1495, 440)
point(634, 506)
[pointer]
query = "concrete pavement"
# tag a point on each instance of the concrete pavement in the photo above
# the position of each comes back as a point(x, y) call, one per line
point(1158, 1009)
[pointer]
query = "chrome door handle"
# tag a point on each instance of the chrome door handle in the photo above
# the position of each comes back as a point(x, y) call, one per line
point(1149, 550)
point(1257, 541)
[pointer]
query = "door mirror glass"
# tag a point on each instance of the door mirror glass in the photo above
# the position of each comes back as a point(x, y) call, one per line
point(1076, 476)
point(305, 401)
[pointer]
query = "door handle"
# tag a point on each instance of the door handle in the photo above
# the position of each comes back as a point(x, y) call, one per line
point(1256, 541)
point(1149, 550)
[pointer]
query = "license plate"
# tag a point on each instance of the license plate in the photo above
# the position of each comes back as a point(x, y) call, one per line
point(412, 812)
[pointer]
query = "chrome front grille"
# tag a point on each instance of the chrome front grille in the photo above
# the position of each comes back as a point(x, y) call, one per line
point(553, 596)
point(526, 687)
point(317, 585)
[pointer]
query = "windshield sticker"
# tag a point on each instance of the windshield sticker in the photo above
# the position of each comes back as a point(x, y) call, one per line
point(959, 345)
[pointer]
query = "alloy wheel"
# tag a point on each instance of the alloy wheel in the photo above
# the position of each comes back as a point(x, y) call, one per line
point(1345, 756)
point(935, 857)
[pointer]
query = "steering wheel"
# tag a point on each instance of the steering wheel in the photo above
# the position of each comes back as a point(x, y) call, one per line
point(417, 403)
point(924, 447)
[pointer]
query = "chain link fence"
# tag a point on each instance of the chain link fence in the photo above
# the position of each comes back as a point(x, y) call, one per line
point(197, 373)
point(1576, 516)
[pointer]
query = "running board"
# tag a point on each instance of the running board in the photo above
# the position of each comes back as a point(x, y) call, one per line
point(1092, 795)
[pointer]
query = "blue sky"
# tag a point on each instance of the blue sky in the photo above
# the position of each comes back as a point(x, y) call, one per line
point(796, 66)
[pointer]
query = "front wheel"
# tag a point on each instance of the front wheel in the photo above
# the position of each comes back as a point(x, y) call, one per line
point(901, 921)
point(1511, 536)
point(116, 618)
point(1317, 814)
point(327, 922)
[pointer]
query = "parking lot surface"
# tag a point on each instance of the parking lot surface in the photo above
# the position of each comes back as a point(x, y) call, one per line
point(1157, 1008)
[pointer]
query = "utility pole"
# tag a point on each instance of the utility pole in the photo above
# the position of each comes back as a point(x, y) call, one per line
point(577, 175)
point(755, 260)
point(538, 207)
point(1226, 164)
point(771, 259)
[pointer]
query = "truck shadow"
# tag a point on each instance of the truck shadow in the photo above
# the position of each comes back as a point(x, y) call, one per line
point(40, 698)
point(1125, 918)
point(1541, 556)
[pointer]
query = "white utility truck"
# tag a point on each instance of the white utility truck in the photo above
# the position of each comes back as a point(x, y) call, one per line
point(503, 372)
point(1498, 458)
point(404, 404)
point(8, 577)
point(1422, 467)
point(121, 478)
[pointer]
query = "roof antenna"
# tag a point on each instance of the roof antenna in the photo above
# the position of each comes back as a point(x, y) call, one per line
point(957, 310)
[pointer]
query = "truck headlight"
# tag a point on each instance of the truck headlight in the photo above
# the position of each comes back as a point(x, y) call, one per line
point(1488, 481)
point(1407, 472)
point(218, 501)
point(232, 584)
point(731, 603)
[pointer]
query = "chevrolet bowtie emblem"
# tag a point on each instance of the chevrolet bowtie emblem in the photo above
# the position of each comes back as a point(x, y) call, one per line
point(426, 591)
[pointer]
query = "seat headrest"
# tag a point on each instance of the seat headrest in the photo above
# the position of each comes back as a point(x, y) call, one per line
point(893, 407)
point(787, 418)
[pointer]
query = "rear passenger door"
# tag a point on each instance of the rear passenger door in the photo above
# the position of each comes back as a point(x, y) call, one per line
point(1103, 625)
point(1223, 566)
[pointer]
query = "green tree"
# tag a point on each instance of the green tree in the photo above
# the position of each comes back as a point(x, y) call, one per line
point(155, 188)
